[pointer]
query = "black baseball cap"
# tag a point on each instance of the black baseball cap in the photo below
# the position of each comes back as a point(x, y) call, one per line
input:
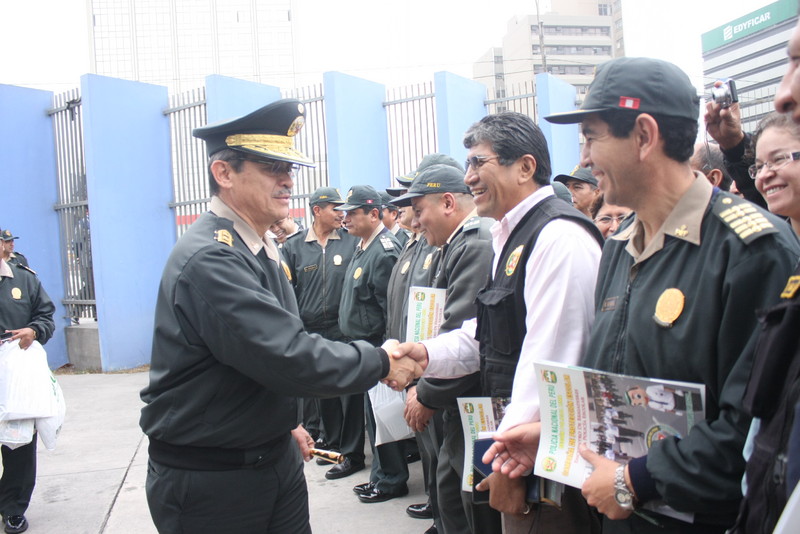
point(267, 133)
point(640, 84)
point(437, 158)
point(439, 178)
point(583, 174)
point(6, 235)
point(326, 195)
point(361, 196)
point(387, 201)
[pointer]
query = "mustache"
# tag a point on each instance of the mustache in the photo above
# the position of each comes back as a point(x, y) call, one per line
point(282, 192)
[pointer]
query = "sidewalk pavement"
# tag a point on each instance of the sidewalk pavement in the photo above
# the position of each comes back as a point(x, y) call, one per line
point(93, 482)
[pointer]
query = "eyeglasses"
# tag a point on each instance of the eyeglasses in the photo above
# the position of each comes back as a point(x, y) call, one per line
point(608, 219)
point(778, 162)
point(274, 166)
point(476, 162)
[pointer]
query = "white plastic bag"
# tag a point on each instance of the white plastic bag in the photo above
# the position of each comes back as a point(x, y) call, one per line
point(26, 383)
point(49, 427)
point(16, 433)
point(388, 407)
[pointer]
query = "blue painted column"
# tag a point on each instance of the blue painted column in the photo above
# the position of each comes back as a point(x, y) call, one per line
point(129, 184)
point(556, 96)
point(357, 131)
point(459, 104)
point(28, 193)
point(228, 98)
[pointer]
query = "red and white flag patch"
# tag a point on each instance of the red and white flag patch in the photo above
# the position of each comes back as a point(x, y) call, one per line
point(628, 102)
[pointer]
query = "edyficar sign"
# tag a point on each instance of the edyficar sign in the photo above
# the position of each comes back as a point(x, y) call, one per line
point(749, 24)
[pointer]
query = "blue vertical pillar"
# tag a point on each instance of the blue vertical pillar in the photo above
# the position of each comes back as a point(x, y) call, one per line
point(459, 104)
point(357, 131)
point(228, 98)
point(28, 193)
point(556, 96)
point(129, 184)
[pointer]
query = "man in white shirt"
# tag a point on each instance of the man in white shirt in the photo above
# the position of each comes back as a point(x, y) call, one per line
point(538, 304)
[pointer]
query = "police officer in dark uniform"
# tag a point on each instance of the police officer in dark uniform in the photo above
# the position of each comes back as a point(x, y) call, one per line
point(317, 260)
point(677, 292)
point(363, 314)
point(26, 312)
point(8, 249)
point(230, 353)
point(391, 214)
point(445, 210)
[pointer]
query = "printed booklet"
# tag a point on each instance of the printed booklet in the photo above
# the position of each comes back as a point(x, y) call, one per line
point(617, 416)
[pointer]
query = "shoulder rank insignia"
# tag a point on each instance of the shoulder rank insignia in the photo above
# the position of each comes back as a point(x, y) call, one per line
point(25, 268)
point(223, 236)
point(286, 270)
point(791, 287)
point(513, 260)
point(746, 220)
point(387, 243)
point(472, 224)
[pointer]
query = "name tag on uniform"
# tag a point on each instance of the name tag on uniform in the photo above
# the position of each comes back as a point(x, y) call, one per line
point(609, 304)
point(309, 268)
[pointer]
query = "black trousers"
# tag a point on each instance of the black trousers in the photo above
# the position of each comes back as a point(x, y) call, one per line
point(19, 478)
point(272, 499)
point(389, 466)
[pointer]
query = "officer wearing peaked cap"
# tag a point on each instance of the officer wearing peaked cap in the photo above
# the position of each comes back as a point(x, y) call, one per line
point(230, 353)
point(391, 214)
point(583, 188)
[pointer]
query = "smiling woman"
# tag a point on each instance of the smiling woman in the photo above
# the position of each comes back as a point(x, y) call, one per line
point(776, 172)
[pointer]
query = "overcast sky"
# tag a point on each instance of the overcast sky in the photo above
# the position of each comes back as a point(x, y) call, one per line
point(44, 43)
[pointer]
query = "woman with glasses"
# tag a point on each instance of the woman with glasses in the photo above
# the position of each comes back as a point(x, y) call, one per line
point(607, 217)
point(776, 171)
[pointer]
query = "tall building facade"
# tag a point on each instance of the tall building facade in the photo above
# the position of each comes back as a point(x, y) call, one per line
point(568, 41)
point(177, 43)
point(751, 50)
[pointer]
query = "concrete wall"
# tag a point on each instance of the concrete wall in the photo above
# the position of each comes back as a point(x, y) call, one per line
point(459, 104)
point(28, 193)
point(129, 184)
point(555, 96)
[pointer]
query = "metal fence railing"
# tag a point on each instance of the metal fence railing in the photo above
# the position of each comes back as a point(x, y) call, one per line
point(311, 141)
point(411, 120)
point(72, 208)
point(517, 97)
point(186, 112)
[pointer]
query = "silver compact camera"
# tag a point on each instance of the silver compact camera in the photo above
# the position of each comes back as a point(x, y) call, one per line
point(724, 92)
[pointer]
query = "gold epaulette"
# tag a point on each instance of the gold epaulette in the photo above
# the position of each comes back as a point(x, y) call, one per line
point(472, 224)
point(745, 219)
point(386, 242)
point(223, 236)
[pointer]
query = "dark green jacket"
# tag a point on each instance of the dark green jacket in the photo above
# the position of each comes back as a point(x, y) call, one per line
point(25, 303)
point(230, 353)
point(463, 268)
point(318, 276)
point(413, 268)
point(724, 279)
point(362, 311)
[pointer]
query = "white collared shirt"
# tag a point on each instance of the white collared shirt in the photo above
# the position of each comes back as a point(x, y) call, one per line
point(560, 278)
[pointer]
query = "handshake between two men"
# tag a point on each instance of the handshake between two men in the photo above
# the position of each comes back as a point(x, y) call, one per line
point(407, 362)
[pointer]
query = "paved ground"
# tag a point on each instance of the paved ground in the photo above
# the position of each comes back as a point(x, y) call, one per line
point(93, 482)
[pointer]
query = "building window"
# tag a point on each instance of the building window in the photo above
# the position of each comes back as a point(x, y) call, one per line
point(603, 10)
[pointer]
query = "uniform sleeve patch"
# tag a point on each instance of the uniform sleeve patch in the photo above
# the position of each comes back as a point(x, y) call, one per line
point(746, 220)
point(791, 287)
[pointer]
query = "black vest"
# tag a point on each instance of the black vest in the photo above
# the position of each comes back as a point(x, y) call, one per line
point(501, 304)
point(772, 394)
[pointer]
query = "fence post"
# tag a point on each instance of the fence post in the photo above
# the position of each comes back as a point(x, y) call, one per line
point(554, 96)
point(30, 190)
point(129, 185)
point(459, 103)
point(358, 146)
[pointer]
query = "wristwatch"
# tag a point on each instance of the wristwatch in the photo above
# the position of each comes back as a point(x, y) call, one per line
point(622, 494)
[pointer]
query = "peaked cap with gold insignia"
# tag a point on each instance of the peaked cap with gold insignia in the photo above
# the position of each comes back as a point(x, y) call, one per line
point(267, 133)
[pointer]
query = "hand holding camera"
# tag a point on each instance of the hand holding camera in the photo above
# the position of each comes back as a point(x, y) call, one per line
point(723, 117)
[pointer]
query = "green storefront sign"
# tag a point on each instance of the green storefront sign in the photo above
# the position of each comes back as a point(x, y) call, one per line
point(749, 24)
